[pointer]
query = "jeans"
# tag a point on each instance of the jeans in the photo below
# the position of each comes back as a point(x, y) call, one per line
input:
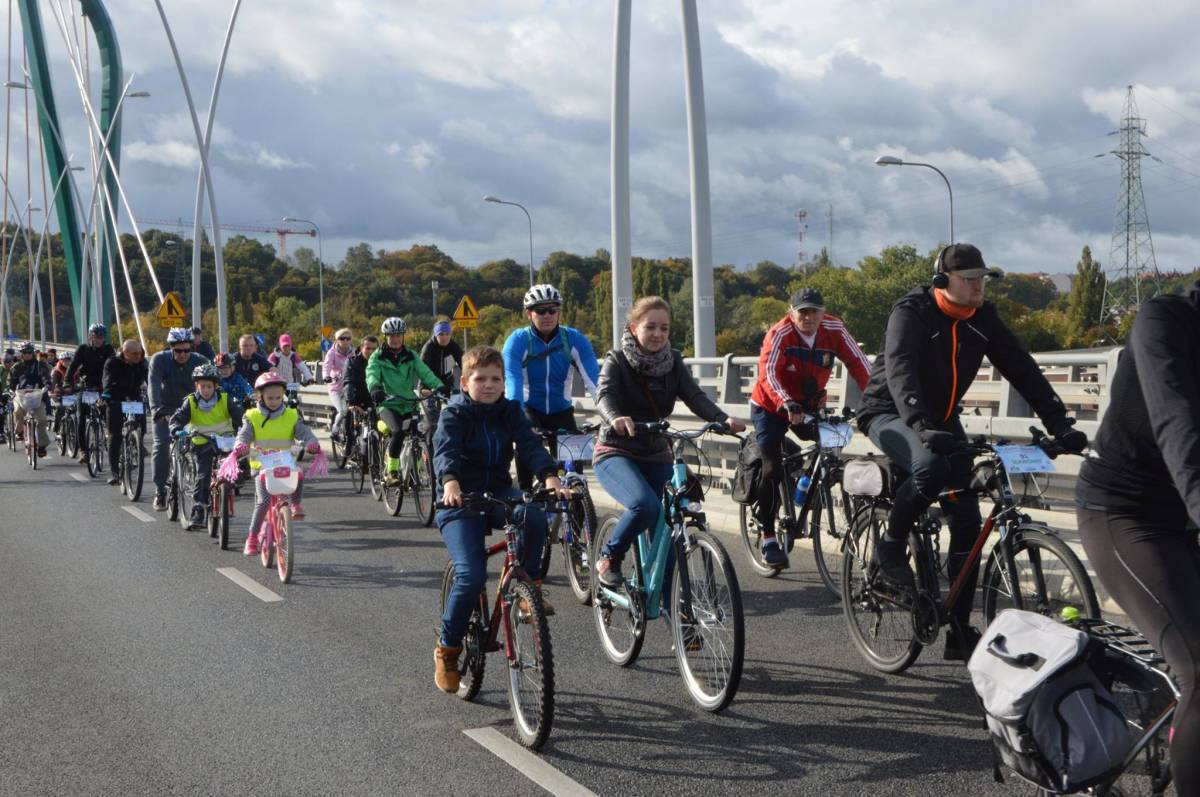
point(463, 531)
point(116, 423)
point(161, 453)
point(540, 420)
point(637, 486)
point(204, 467)
point(929, 474)
point(770, 433)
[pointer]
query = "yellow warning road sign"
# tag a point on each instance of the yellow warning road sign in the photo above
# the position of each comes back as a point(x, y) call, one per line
point(170, 313)
point(327, 332)
point(465, 315)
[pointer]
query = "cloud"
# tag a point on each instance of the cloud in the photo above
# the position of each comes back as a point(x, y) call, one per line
point(422, 154)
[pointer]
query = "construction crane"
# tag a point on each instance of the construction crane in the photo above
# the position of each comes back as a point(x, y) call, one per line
point(281, 233)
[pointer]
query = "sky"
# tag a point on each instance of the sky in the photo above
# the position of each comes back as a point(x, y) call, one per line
point(387, 121)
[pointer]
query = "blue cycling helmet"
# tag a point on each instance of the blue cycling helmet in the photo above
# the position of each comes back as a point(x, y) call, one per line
point(179, 335)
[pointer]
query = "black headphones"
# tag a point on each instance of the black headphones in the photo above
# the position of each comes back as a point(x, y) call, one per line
point(940, 278)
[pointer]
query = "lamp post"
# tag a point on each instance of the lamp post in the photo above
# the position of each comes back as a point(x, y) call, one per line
point(320, 263)
point(892, 160)
point(498, 201)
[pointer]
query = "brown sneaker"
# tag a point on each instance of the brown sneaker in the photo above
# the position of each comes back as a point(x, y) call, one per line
point(547, 606)
point(445, 672)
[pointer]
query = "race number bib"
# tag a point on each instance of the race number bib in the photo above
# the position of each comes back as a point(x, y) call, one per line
point(90, 397)
point(226, 442)
point(277, 459)
point(1025, 459)
point(70, 401)
point(835, 435)
point(133, 408)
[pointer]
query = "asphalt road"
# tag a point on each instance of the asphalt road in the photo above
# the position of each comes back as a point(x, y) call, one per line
point(129, 665)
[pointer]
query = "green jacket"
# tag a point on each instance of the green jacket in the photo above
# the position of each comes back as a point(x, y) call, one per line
point(396, 373)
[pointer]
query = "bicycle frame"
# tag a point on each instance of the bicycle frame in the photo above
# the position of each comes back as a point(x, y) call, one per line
point(500, 614)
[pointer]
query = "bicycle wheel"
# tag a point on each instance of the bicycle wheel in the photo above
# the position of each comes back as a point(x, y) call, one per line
point(879, 615)
point(284, 536)
point(225, 502)
point(531, 665)
point(820, 521)
point(186, 483)
point(173, 491)
point(92, 444)
point(393, 497)
point(31, 442)
point(621, 630)
point(710, 643)
point(96, 453)
point(471, 665)
point(266, 542)
point(358, 473)
point(133, 472)
point(339, 448)
point(72, 436)
point(1049, 577)
point(375, 466)
point(424, 485)
point(60, 438)
point(752, 535)
point(579, 526)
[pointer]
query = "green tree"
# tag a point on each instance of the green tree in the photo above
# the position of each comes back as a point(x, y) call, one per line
point(1087, 297)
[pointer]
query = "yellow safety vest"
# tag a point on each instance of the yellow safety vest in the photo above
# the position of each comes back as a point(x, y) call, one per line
point(205, 423)
point(272, 434)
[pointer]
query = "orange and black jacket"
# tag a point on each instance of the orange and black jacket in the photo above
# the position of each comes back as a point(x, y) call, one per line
point(930, 359)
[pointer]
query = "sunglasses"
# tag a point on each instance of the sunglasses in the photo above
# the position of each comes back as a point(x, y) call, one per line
point(181, 351)
point(345, 338)
point(545, 310)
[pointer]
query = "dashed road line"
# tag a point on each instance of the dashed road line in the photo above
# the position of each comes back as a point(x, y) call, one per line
point(79, 477)
point(139, 514)
point(250, 585)
point(528, 764)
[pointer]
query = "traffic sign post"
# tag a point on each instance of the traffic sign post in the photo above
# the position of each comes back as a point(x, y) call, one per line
point(170, 312)
point(465, 316)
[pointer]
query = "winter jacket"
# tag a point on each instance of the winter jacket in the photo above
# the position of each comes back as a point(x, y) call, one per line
point(354, 382)
point(124, 381)
point(623, 391)
point(183, 415)
point(396, 373)
point(237, 387)
point(29, 375)
point(930, 359)
point(474, 444)
point(251, 369)
point(205, 349)
point(88, 365)
point(1146, 456)
point(445, 361)
point(292, 368)
point(786, 364)
point(169, 383)
point(334, 367)
point(538, 373)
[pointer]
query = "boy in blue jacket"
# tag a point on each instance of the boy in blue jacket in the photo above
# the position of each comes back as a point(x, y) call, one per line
point(473, 450)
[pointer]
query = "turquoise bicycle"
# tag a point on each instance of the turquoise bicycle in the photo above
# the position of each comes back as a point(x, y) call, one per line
point(707, 623)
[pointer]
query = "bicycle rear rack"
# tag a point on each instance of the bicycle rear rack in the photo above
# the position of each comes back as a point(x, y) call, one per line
point(1123, 639)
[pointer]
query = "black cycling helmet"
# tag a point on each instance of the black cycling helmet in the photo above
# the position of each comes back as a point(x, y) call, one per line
point(207, 371)
point(98, 329)
point(27, 348)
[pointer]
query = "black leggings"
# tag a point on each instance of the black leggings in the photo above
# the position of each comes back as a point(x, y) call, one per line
point(1153, 572)
point(398, 424)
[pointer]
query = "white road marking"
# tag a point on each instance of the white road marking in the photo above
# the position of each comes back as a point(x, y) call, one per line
point(139, 514)
point(79, 477)
point(250, 585)
point(528, 764)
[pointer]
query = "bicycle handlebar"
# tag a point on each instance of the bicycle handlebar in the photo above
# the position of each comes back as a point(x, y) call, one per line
point(587, 428)
point(542, 495)
point(664, 428)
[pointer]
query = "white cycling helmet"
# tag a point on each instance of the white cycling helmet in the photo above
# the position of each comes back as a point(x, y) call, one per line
point(542, 294)
point(179, 335)
point(393, 326)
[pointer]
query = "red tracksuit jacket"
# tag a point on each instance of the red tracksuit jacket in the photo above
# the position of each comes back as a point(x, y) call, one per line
point(786, 362)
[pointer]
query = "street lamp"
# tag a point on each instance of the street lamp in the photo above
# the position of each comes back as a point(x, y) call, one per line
point(320, 265)
point(498, 201)
point(892, 160)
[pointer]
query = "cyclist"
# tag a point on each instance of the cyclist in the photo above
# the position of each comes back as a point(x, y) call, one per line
point(1138, 501)
point(250, 362)
point(935, 341)
point(87, 368)
point(474, 445)
point(232, 383)
point(31, 374)
point(640, 382)
point(204, 413)
point(3, 398)
point(58, 385)
point(124, 380)
point(333, 371)
point(794, 365)
point(392, 371)
point(287, 362)
point(444, 358)
point(537, 365)
point(271, 426)
point(170, 380)
point(203, 347)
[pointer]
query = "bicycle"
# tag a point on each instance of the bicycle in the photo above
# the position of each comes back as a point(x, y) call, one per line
point(182, 480)
point(221, 493)
point(10, 421)
point(416, 469)
point(416, 463)
point(30, 401)
point(890, 624)
point(280, 475)
point(93, 432)
point(293, 401)
point(131, 466)
point(817, 517)
point(372, 454)
point(706, 623)
point(574, 522)
point(68, 440)
point(518, 613)
point(355, 448)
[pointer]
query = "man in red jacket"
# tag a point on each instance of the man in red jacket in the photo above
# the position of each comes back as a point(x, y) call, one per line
point(793, 367)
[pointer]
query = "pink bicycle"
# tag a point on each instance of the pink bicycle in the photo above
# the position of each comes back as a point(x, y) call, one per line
point(281, 477)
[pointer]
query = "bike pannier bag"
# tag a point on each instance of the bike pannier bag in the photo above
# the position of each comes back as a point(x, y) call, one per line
point(747, 476)
point(866, 477)
point(1051, 719)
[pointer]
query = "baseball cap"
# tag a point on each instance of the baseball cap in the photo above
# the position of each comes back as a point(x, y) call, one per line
point(285, 340)
point(808, 298)
point(966, 261)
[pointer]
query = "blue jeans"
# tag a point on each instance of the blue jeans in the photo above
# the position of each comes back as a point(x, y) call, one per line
point(637, 486)
point(463, 531)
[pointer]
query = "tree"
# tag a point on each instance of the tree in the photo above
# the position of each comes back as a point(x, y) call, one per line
point(1087, 297)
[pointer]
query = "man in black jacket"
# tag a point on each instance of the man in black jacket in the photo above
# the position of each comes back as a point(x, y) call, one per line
point(124, 380)
point(936, 340)
point(88, 367)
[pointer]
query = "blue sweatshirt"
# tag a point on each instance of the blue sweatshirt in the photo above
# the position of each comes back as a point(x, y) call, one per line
point(474, 443)
point(538, 373)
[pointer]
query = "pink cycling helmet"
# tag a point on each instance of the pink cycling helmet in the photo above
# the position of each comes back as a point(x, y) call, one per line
point(270, 378)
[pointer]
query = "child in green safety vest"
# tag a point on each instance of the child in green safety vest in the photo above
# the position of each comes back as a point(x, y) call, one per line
point(204, 414)
point(271, 426)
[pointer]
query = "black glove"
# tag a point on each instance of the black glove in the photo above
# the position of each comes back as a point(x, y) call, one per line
point(807, 430)
point(377, 395)
point(161, 415)
point(937, 441)
point(793, 407)
point(1072, 440)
